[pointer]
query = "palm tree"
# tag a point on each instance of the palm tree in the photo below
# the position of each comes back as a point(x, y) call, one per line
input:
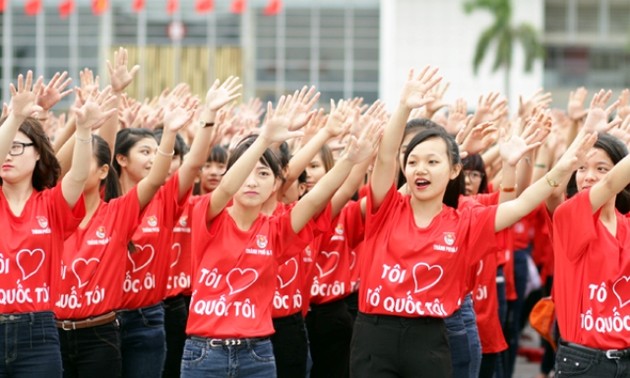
point(504, 34)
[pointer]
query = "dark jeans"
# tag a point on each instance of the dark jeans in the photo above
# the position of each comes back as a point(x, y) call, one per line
point(143, 341)
point(488, 363)
point(290, 346)
point(30, 345)
point(502, 357)
point(515, 308)
point(91, 352)
point(458, 344)
point(252, 359)
point(175, 318)
point(574, 362)
point(330, 332)
point(392, 346)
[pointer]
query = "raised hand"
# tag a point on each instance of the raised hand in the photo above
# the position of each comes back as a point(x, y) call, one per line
point(119, 74)
point(364, 145)
point(575, 107)
point(24, 98)
point(597, 117)
point(538, 99)
point(416, 89)
point(303, 101)
point(438, 102)
point(52, 93)
point(176, 116)
point(278, 126)
point(623, 131)
point(512, 148)
point(479, 138)
point(96, 108)
point(457, 116)
point(623, 111)
point(221, 94)
point(336, 122)
point(575, 153)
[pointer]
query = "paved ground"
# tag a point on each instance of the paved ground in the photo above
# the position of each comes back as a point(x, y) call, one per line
point(524, 368)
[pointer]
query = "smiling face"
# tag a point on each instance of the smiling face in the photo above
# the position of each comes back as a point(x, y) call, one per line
point(139, 160)
point(594, 169)
point(428, 169)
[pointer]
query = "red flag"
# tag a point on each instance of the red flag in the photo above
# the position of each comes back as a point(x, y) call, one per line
point(237, 6)
point(99, 6)
point(138, 5)
point(1, 5)
point(33, 7)
point(172, 6)
point(273, 7)
point(66, 7)
point(204, 6)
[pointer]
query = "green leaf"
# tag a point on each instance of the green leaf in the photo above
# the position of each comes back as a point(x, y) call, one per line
point(482, 45)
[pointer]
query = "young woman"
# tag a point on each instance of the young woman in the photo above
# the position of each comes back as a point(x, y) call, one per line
point(146, 277)
point(38, 213)
point(592, 261)
point(420, 249)
point(237, 252)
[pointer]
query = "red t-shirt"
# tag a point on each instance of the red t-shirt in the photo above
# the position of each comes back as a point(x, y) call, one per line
point(411, 271)
point(180, 263)
point(235, 272)
point(148, 266)
point(331, 276)
point(592, 276)
point(30, 249)
point(88, 285)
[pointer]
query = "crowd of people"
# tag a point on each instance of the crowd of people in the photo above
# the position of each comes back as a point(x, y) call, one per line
point(193, 237)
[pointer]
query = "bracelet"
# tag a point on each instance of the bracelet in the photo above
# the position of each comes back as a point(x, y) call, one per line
point(551, 182)
point(509, 189)
point(160, 152)
point(83, 140)
point(540, 165)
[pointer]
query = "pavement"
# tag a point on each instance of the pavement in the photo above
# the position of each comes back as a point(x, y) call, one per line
point(525, 368)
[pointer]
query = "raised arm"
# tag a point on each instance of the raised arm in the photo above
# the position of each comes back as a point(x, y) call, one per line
point(90, 116)
point(316, 199)
point(217, 96)
point(413, 96)
point(510, 212)
point(276, 129)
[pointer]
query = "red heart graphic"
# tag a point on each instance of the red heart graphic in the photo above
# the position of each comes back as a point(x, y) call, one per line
point(176, 250)
point(329, 266)
point(29, 261)
point(426, 276)
point(240, 279)
point(83, 271)
point(287, 272)
point(353, 259)
point(142, 257)
point(621, 289)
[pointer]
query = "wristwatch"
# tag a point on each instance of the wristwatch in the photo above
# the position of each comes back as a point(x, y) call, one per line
point(203, 123)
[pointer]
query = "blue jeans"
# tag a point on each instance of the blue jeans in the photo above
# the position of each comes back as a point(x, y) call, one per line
point(30, 345)
point(474, 343)
point(175, 317)
point(458, 344)
point(578, 362)
point(143, 341)
point(91, 352)
point(251, 359)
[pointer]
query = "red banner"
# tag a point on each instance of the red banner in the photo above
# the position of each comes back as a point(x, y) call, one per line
point(99, 6)
point(237, 6)
point(273, 7)
point(66, 7)
point(32, 7)
point(204, 6)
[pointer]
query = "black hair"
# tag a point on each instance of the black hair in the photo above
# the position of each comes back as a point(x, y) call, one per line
point(268, 158)
point(47, 169)
point(125, 140)
point(456, 186)
point(475, 163)
point(217, 154)
point(616, 151)
point(103, 156)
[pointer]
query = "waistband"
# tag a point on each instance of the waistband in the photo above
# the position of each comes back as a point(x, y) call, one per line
point(71, 325)
point(398, 320)
point(140, 310)
point(177, 300)
point(217, 343)
point(329, 306)
point(611, 354)
point(289, 319)
point(26, 317)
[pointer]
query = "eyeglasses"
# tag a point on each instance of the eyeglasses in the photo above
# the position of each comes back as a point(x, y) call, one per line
point(17, 148)
point(473, 175)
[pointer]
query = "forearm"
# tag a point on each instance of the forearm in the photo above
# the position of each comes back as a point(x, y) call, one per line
point(524, 173)
point(195, 159)
point(508, 187)
point(110, 127)
point(303, 157)
point(65, 133)
point(64, 156)
point(349, 187)
point(81, 156)
point(162, 162)
point(7, 132)
point(236, 175)
point(614, 182)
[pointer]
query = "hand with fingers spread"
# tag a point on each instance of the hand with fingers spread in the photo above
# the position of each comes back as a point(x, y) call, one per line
point(24, 98)
point(279, 125)
point(437, 93)
point(512, 148)
point(623, 131)
point(538, 126)
point(336, 122)
point(575, 107)
point(303, 101)
point(176, 116)
point(119, 74)
point(96, 108)
point(52, 93)
point(623, 110)
point(538, 99)
point(416, 90)
point(597, 117)
point(363, 145)
point(418, 113)
point(220, 94)
point(485, 106)
point(479, 138)
point(457, 116)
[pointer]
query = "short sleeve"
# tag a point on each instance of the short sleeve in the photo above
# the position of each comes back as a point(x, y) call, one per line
point(375, 219)
point(481, 235)
point(353, 223)
point(574, 226)
point(127, 210)
point(288, 242)
point(67, 218)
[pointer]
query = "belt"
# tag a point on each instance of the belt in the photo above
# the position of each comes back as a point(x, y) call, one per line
point(611, 354)
point(398, 320)
point(289, 319)
point(215, 343)
point(69, 325)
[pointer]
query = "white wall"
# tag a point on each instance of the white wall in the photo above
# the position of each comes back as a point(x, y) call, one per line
point(415, 33)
